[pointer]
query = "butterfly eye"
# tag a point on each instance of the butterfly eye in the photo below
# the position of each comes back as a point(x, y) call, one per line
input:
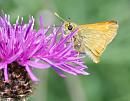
point(70, 27)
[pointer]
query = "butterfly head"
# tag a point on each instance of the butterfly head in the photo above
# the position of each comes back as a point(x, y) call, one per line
point(69, 26)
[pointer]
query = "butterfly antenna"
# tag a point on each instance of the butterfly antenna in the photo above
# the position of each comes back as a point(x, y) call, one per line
point(59, 16)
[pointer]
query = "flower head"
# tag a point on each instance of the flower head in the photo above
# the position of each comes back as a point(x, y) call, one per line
point(21, 43)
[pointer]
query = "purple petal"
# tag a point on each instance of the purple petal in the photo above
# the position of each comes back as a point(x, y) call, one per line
point(32, 76)
point(38, 65)
point(59, 71)
point(6, 72)
point(14, 57)
point(60, 67)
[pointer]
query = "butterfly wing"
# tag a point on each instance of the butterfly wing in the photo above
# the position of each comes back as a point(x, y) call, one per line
point(92, 39)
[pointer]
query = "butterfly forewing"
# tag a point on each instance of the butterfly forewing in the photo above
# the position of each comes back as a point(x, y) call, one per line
point(92, 39)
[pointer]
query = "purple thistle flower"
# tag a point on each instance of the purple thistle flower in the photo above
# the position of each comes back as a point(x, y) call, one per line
point(21, 43)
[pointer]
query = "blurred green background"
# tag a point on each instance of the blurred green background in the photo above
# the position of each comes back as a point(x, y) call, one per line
point(110, 79)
